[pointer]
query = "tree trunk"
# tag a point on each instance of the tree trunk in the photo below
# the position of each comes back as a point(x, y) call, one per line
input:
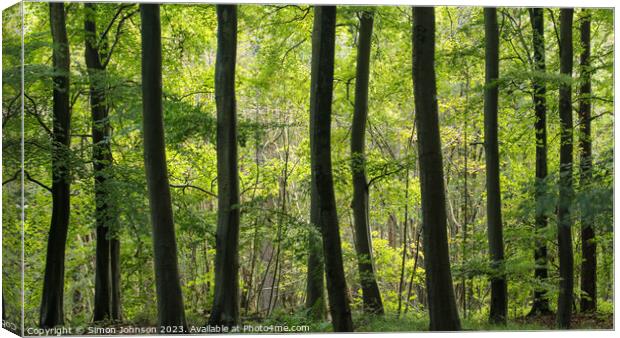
point(170, 312)
point(540, 304)
point(442, 305)
point(322, 76)
point(315, 288)
point(499, 303)
point(53, 283)
point(588, 241)
point(226, 302)
point(370, 290)
point(565, 243)
point(102, 163)
point(115, 261)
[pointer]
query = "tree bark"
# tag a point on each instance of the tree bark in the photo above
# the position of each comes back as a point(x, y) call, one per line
point(499, 303)
point(170, 312)
point(565, 244)
point(540, 304)
point(322, 76)
point(226, 300)
point(370, 290)
point(588, 240)
point(115, 262)
point(53, 283)
point(315, 285)
point(442, 305)
point(105, 219)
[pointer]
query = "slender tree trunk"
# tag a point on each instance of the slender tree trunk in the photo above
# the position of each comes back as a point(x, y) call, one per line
point(322, 76)
point(370, 290)
point(226, 302)
point(170, 312)
point(415, 267)
point(443, 312)
point(565, 243)
point(499, 302)
point(255, 239)
point(102, 163)
point(588, 240)
point(401, 282)
point(277, 271)
point(465, 207)
point(540, 304)
point(53, 283)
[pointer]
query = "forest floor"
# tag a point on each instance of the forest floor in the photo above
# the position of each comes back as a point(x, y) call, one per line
point(590, 321)
point(584, 321)
point(412, 322)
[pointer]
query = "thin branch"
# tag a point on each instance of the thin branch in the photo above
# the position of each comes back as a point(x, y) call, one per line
point(37, 182)
point(107, 30)
point(292, 48)
point(117, 37)
point(185, 186)
point(36, 114)
point(12, 178)
point(383, 175)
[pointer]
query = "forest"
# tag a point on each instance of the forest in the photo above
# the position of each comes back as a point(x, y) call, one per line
point(199, 168)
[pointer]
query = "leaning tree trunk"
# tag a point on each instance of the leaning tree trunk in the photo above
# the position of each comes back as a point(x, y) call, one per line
point(53, 283)
point(170, 311)
point(588, 241)
point(499, 303)
point(105, 218)
point(540, 304)
point(226, 302)
point(322, 77)
point(565, 244)
point(370, 289)
point(442, 305)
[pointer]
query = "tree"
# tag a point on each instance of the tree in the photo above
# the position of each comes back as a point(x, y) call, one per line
point(107, 270)
point(541, 301)
point(226, 302)
point(321, 91)
point(54, 280)
point(565, 246)
point(588, 239)
point(499, 303)
point(442, 305)
point(363, 242)
point(170, 311)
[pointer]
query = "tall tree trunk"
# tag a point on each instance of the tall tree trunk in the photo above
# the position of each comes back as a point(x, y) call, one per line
point(540, 304)
point(53, 283)
point(442, 305)
point(322, 77)
point(370, 290)
point(226, 302)
point(170, 312)
point(565, 243)
point(588, 242)
point(499, 303)
point(102, 163)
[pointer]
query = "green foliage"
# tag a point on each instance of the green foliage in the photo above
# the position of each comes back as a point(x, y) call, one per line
point(272, 90)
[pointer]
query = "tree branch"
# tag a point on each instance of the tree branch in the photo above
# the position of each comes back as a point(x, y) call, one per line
point(12, 178)
point(185, 186)
point(29, 178)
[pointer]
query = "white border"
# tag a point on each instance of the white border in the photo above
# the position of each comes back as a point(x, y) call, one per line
point(498, 3)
